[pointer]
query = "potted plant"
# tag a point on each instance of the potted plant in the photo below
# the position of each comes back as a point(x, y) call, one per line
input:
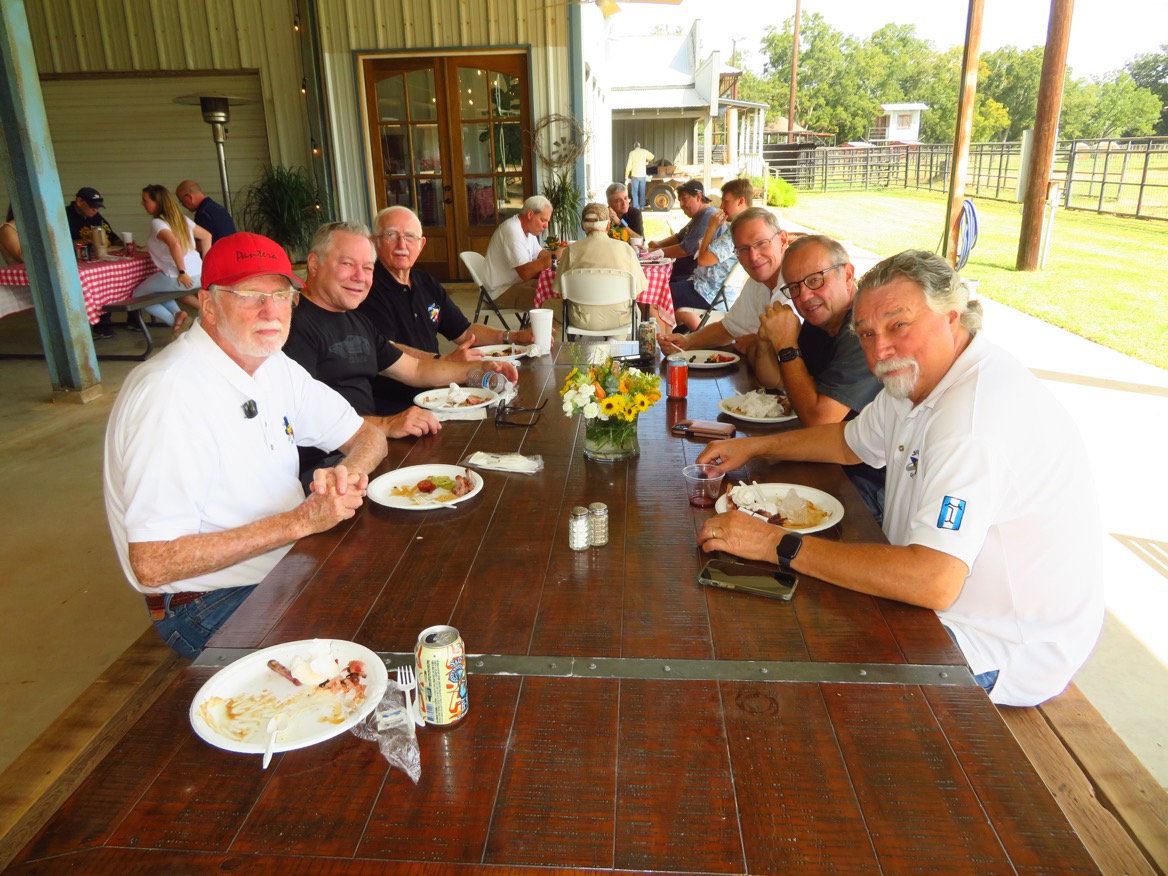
point(285, 206)
point(561, 190)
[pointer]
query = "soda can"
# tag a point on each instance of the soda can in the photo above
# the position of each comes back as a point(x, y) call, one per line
point(678, 378)
point(82, 252)
point(647, 340)
point(441, 659)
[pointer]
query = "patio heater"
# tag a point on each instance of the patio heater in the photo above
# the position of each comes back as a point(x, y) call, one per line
point(216, 113)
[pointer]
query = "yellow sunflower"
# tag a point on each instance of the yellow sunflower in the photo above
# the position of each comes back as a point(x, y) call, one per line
point(640, 403)
point(611, 405)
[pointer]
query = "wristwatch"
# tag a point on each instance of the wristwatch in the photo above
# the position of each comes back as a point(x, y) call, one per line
point(506, 337)
point(788, 549)
point(790, 354)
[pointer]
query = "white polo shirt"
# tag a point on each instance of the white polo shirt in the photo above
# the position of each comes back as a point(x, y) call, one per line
point(742, 318)
point(510, 247)
point(991, 469)
point(182, 458)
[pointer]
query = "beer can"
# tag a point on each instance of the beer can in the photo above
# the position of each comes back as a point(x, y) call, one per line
point(678, 378)
point(441, 659)
point(647, 340)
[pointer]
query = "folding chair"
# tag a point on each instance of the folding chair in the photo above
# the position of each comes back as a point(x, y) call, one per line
point(476, 263)
point(734, 280)
point(599, 287)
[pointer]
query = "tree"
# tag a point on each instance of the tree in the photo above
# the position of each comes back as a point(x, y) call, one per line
point(1150, 71)
point(1011, 77)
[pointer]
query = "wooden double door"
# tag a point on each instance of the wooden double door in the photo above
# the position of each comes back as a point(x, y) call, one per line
point(450, 138)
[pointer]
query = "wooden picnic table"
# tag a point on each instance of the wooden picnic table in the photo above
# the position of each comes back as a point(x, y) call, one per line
point(621, 717)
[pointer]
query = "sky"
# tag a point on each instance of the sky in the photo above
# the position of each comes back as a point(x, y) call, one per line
point(1105, 34)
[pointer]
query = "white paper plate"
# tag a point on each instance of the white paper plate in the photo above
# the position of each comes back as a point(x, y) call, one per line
point(381, 488)
point(701, 358)
point(439, 399)
point(250, 675)
point(820, 499)
point(745, 417)
point(510, 352)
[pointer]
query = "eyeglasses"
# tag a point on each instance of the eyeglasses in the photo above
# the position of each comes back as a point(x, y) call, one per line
point(757, 246)
point(252, 300)
point(811, 282)
point(394, 234)
point(505, 414)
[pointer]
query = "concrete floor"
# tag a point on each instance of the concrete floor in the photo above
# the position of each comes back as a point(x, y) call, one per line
point(66, 612)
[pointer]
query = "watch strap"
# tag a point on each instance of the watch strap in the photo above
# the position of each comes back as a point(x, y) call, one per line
point(790, 354)
point(787, 549)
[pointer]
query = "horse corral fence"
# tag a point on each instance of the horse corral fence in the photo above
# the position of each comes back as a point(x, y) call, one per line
point(1122, 177)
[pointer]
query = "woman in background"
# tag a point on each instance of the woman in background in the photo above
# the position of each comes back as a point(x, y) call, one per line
point(9, 241)
point(177, 246)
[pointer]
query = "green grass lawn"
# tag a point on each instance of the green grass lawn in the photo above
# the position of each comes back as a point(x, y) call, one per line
point(1105, 277)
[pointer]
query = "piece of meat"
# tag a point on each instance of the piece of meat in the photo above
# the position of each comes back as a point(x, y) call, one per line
point(463, 484)
point(280, 669)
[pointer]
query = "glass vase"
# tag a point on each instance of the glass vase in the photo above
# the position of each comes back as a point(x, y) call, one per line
point(610, 440)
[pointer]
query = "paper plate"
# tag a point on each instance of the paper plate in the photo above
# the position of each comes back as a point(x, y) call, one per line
point(439, 399)
point(700, 359)
point(381, 488)
point(504, 352)
point(818, 498)
point(312, 713)
point(724, 408)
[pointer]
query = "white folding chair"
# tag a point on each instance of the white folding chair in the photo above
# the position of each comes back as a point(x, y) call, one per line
point(718, 307)
point(599, 287)
point(476, 263)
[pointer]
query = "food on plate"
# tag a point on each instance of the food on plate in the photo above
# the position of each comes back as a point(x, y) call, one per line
point(791, 510)
point(505, 352)
point(718, 359)
point(759, 403)
point(322, 687)
point(438, 488)
point(457, 397)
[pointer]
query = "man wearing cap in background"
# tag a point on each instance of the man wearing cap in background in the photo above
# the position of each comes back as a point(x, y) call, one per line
point(683, 246)
point(83, 215)
point(201, 463)
point(208, 214)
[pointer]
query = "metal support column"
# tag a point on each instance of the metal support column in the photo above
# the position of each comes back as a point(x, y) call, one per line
point(30, 171)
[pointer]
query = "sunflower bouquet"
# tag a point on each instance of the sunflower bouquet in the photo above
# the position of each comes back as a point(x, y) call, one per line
point(618, 232)
point(609, 395)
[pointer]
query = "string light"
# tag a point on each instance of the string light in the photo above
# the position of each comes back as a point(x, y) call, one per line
point(296, 23)
point(315, 148)
point(304, 85)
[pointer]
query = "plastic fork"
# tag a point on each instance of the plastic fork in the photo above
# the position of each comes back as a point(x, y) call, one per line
point(408, 682)
point(276, 726)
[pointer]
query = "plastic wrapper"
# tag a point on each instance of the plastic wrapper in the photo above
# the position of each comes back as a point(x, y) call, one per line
point(515, 462)
point(392, 728)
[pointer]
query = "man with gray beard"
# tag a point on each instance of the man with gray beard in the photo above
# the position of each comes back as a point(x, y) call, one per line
point(990, 507)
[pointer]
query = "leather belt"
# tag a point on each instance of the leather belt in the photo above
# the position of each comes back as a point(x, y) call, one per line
point(156, 602)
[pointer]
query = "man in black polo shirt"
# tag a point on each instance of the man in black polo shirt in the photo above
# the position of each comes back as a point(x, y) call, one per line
point(411, 308)
point(208, 214)
point(819, 361)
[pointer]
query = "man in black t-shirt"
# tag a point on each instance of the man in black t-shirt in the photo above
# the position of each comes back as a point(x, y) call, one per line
point(208, 214)
point(341, 348)
point(83, 215)
point(411, 308)
point(819, 362)
point(622, 212)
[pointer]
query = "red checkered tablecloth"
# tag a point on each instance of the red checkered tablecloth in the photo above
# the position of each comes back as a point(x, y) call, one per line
point(102, 283)
point(657, 293)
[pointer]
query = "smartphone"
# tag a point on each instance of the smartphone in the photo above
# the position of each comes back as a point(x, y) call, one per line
point(758, 580)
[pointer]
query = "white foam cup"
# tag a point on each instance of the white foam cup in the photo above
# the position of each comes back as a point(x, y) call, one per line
point(541, 327)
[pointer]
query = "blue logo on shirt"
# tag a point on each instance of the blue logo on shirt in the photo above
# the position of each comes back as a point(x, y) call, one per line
point(288, 431)
point(914, 461)
point(952, 510)
point(433, 311)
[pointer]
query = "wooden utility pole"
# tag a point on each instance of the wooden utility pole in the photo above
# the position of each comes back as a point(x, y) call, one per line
point(794, 77)
point(1050, 99)
point(964, 129)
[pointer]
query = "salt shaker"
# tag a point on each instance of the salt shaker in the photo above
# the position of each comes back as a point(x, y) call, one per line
point(598, 517)
point(579, 529)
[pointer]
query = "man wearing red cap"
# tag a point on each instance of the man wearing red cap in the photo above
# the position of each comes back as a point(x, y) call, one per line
point(201, 464)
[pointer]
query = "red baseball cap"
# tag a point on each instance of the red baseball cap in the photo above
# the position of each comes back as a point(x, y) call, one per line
point(242, 256)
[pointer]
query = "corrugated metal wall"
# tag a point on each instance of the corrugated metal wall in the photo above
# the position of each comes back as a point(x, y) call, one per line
point(107, 36)
point(349, 26)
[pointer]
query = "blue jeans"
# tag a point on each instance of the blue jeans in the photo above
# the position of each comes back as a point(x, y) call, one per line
point(985, 680)
point(161, 282)
point(187, 628)
point(637, 190)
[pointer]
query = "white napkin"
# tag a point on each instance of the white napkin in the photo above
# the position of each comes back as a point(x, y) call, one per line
point(516, 462)
point(463, 414)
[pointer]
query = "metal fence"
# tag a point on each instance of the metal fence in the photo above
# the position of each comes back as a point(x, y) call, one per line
point(1121, 177)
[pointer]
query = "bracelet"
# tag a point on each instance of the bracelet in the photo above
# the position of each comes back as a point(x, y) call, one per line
point(506, 337)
